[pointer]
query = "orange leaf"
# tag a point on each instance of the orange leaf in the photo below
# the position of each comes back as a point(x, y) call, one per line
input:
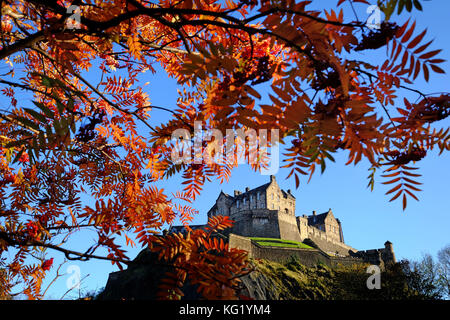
point(396, 196)
point(394, 189)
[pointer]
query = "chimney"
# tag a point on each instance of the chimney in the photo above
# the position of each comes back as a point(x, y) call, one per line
point(272, 177)
point(236, 193)
point(289, 191)
point(314, 212)
point(247, 189)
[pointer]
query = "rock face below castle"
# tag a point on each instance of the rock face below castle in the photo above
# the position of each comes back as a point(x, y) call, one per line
point(268, 211)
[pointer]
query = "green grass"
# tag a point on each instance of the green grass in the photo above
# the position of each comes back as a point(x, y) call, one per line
point(280, 243)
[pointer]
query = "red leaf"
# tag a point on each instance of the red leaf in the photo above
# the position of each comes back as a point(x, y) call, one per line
point(409, 33)
point(426, 72)
point(402, 29)
point(416, 40)
point(47, 264)
point(430, 54)
point(436, 68)
point(404, 201)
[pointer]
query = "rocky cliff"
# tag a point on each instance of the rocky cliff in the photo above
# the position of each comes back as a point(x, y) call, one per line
point(270, 281)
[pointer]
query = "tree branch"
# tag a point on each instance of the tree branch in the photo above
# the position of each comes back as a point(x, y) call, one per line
point(68, 253)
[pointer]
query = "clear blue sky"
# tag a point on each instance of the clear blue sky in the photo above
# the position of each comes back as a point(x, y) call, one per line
point(368, 218)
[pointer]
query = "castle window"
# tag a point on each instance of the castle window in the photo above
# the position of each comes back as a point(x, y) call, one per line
point(272, 196)
point(237, 204)
point(243, 202)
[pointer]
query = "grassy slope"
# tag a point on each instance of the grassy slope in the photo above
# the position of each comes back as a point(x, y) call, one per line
point(280, 243)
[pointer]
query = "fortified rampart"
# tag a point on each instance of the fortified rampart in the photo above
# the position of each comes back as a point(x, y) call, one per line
point(377, 256)
point(266, 223)
point(328, 245)
point(308, 257)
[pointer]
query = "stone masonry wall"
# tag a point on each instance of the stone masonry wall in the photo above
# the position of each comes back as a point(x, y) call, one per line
point(244, 243)
point(288, 227)
point(276, 199)
point(256, 223)
point(308, 257)
point(331, 247)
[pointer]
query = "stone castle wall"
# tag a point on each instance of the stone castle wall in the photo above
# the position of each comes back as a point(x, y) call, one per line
point(308, 257)
point(288, 227)
point(277, 224)
point(256, 223)
point(377, 256)
point(327, 243)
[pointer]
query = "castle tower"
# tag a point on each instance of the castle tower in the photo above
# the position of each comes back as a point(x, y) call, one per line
point(388, 254)
point(341, 233)
point(302, 225)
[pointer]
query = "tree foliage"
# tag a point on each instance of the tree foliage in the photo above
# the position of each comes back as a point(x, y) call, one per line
point(89, 130)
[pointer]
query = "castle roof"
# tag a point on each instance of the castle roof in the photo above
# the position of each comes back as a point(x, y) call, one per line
point(317, 218)
point(182, 228)
point(287, 194)
point(262, 188)
point(252, 191)
point(225, 194)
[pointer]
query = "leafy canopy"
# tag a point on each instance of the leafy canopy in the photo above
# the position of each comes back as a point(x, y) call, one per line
point(89, 129)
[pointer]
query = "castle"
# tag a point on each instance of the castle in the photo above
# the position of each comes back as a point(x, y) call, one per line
point(269, 212)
